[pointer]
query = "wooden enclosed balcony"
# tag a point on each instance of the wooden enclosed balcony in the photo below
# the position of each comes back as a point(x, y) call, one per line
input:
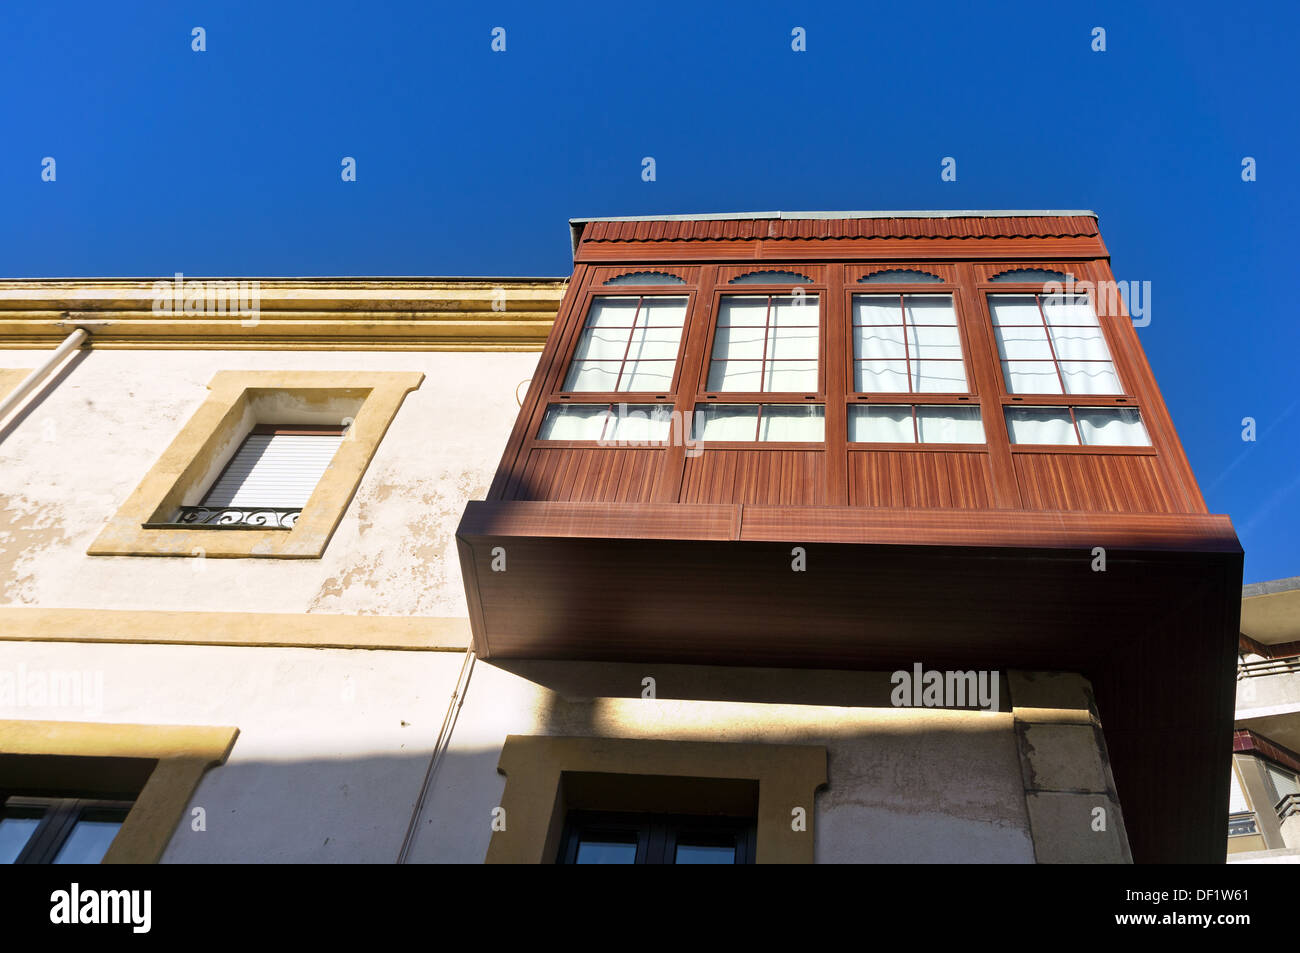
point(864, 441)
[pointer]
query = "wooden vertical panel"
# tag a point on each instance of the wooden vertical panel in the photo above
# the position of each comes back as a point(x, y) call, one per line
point(668, 487)
point(836, 359)
point(986, 372)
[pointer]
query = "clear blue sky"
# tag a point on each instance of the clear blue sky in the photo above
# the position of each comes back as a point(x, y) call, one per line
point(470, 162)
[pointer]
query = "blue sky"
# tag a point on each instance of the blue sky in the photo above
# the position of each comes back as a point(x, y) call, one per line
point(469, 162)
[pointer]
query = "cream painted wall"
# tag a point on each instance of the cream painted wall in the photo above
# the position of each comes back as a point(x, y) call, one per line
point(333, 745)
point(72, 459)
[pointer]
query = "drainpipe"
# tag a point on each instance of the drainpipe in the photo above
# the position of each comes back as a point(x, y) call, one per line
point(32, 380)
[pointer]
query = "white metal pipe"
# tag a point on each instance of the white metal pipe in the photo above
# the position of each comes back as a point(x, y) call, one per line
point(32, 380)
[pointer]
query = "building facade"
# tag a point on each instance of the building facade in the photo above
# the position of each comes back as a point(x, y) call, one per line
point(847, 537)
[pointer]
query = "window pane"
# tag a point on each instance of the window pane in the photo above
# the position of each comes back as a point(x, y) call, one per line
point(592, 376)
point(792, 422)
point(1046, 425)
point(1079, 344)
point(877, 309)
point(612, 312)
point(881, 423)
point(639, 423)
point(573, 422)
point(1031, 377)
point(875, 377)
point(793, 343)
point(746, 310)
point(704, 854)
point(88, 842)
point(743, 376)
point(1112, 427)
point(652, 344)
point(929, 309)
point(879, 341)
point(726, 422)
point(939, 377)
point(1024, 344)
point(16, 829)
point(605, 852)
point(1068, 309)
point(1013, 310)
point(934, 343)
point(790, 311)
point(1093, 377)
point(949, 424)
point(663, 312)
point(791, 376)
point(601, 344)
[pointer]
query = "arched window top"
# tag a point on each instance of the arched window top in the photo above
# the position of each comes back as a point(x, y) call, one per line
point(1030, 274)
point(771, 278)
point(899, 276)
point(646, 278)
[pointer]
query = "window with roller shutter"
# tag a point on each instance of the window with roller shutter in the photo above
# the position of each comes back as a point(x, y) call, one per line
point(268, 480)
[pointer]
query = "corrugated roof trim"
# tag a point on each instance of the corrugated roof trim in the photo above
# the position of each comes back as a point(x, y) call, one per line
point(1066, 226)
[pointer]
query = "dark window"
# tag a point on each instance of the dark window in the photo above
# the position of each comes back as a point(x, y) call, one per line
point(597, 837)
point(43, 830)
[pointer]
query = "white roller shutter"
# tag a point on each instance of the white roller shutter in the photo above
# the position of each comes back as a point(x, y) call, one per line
point(274, 470)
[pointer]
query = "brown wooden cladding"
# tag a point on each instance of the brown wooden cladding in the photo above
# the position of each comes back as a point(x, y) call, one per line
point(789, 477)
point(587, 475)
point(920, 479)
point(1103, 483)
point(975, 226)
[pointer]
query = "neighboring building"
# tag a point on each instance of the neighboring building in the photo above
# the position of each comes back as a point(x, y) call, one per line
point(1264, 825)
point(273, 591)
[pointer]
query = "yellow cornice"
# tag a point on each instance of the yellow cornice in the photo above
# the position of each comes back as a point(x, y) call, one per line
point(469, 314)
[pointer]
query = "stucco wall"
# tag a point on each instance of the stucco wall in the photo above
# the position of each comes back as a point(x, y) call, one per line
point(73, 457)
point(333, 745)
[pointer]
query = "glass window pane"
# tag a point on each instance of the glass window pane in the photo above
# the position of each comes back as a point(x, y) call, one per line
point(1045, 425)
point(1079, 344)
point(601, 344)
point(663, 311)
point(792, 422)
point(639, 423)
point(608, 312)
point(938, 424)
point(791, 376)
point(726, 422)
point(647, 376)
point(1068, 309)
point(1031, 377)
point(16, 829)
point(605, 852)
point(1023, 344)
point(1012, 310)
point(795, 311)
point(929, 309)
point(880, 377)
point(1112, 427)
point(792, 343)
point(1091, 377)
point(877, 309)
point(88, 842)
point(739, 343)
point(879, 341)
point(653, 344)
point(939, 377)
point(592, 376)
point(934, 342)
point(743, 310)
point(881, 423)
point(573, 422)
point(744, 376)
point(704, 854)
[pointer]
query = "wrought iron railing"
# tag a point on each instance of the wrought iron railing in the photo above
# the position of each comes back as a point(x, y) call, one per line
point(1288, 806)
point(231, 517)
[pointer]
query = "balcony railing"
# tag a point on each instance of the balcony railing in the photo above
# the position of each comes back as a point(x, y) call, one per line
point(1268, 666)
point(1288, 806)
point(231, 517)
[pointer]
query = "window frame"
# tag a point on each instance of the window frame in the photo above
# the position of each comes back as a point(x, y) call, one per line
point(657, 834)
point(951, 287)
point(983, 288)
point(58, 822)
point(216, 427)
